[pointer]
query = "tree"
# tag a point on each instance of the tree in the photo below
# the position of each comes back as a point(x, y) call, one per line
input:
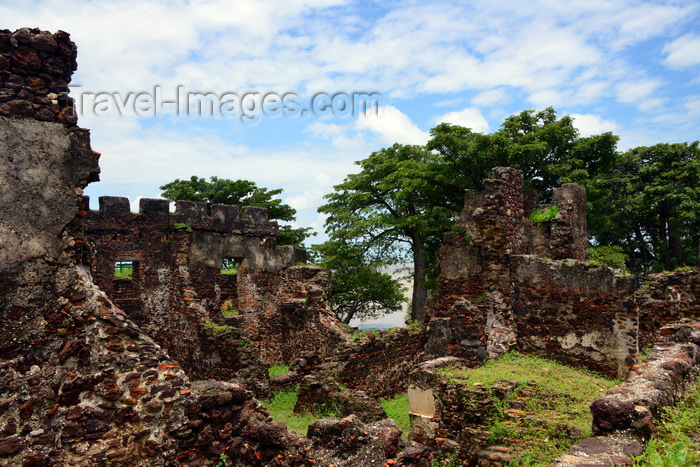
point(390, 209)
point(652, 206)
point(242, 193)
point(548, 150)
point(358, 288)
point(409, 195)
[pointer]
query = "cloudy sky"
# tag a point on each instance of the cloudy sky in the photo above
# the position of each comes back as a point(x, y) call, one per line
point(631, 67)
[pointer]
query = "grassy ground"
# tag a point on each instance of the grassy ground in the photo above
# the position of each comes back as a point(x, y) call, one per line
point(276, 370)
point(281, 407)
point(396, 408)
point(123, 273)
point(551, 395)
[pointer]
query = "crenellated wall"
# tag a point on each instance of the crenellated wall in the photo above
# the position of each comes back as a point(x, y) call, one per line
point(176, 284)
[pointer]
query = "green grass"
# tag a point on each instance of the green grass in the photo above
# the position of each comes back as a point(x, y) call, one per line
point(123, 273)
point(396, 408)
point(229, 271)
point(551, 394)
point(276, 370)
point(281, 407)
point(678, 436)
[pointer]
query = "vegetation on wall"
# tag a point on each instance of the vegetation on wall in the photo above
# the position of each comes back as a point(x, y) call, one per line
point(547, 414)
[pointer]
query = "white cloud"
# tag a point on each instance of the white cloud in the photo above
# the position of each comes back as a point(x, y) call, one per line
point(393, 126)
point(468, 118)
point(684, 51)
point(491, 97)
point(634, 92)
point(589, 124)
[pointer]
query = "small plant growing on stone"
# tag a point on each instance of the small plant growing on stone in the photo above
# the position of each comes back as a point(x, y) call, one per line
point(446, 460)
point(612, 256)
point(413, 325)
point(181, 226)
point(218, 330)
point(221, 461)
point(544, 215)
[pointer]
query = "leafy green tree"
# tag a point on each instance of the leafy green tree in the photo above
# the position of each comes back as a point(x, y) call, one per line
point(242, 193)
point(405, 197)
point(393, 206)
point(547, 149)
point(358, 288)
point(652, 206)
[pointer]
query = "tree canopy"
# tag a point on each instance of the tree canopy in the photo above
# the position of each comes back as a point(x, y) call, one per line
point(651, 206)
point(392, 206)
point(645, 201)
point(359, 289)
point(241, 193)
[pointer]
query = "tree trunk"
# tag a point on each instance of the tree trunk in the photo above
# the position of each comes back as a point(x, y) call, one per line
point(349, 315)
point(420, 294)
point(664, 241)
point(675, 245)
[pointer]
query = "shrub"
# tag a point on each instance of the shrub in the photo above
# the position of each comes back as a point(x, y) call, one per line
point(544, 215)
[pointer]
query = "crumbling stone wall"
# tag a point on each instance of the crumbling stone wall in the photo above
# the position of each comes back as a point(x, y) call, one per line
point(508, 283)
point(666, 298)
point(492, 293)
point(176, 285)
point(580, 314)
point(79, 381)
point(380, 364)
point(624, 419)
point(35, 69)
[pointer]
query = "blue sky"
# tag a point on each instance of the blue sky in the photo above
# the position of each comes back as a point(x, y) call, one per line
point(630, 67)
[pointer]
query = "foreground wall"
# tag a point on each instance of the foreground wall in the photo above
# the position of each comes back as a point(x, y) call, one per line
point(80, 382)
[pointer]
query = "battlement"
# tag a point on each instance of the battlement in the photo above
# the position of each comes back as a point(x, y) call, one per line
point(248, 220)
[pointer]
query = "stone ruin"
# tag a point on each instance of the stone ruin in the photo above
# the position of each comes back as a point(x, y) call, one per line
point(176, 290)
point(81, 383)
point(507, 283)
point(98, 370)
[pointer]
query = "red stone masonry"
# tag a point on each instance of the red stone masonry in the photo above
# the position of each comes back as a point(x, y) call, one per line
point(506, 282)
point(35, 69)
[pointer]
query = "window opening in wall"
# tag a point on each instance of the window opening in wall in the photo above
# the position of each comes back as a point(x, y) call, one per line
point(229, 287)
point(229, 266)
point(124, 270)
